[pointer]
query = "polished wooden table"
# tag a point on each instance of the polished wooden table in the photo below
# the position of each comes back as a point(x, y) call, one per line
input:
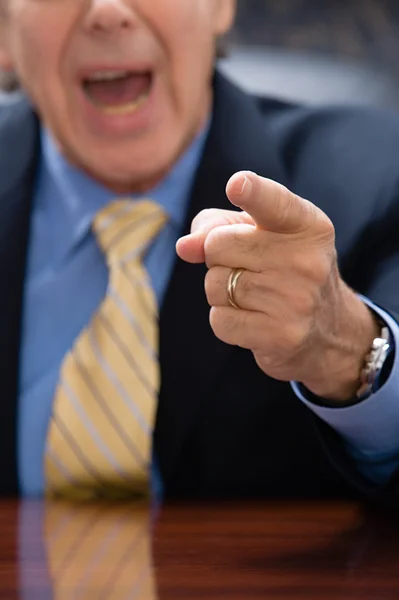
point(322, 551)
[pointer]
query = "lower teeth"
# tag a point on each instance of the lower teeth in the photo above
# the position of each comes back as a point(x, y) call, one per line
point(124, 108)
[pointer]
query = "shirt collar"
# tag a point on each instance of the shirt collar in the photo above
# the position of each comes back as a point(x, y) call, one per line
point(75, 197)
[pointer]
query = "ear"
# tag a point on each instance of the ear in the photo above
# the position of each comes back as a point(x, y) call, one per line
point(224, 17)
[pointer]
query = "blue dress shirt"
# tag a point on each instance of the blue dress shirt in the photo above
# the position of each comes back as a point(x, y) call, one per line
point(67, 278)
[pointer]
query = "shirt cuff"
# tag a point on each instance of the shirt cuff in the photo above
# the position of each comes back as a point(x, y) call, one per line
point(370, 426)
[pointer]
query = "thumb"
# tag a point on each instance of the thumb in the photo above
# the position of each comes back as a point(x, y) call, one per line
point(191, 247)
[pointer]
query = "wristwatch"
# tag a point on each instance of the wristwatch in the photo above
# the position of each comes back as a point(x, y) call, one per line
point(374, 362)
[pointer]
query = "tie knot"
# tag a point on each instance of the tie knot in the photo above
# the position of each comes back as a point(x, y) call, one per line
point(125, 228)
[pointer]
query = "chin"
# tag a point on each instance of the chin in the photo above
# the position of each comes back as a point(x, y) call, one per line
point(143, 171)
point(130, 165)
point(122, 178)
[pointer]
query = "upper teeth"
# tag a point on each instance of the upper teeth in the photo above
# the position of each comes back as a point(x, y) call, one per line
point(107, 75)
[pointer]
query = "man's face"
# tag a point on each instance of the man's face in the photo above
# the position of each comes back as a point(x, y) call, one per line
point(124, 85)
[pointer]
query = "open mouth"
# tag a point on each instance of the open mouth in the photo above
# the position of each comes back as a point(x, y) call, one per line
point(118, 92)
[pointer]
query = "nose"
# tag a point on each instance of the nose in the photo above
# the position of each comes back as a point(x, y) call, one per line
point(106, 16)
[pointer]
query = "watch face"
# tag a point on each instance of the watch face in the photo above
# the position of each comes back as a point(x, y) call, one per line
point(372, 376)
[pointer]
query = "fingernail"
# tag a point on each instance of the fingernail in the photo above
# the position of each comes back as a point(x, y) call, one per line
point(246, 186)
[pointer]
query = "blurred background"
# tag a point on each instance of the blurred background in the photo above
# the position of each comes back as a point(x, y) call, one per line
point(315, 51)
point(318, 51)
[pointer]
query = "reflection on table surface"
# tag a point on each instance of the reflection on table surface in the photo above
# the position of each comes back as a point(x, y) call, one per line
point(218, 551)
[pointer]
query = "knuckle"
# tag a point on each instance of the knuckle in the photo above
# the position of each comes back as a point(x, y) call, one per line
point(295, 337)
point(285, 201)
point(223, 324)
point(213, 285)
point(313, 266)
point(268, 362)
point(271, 362)
point(205, 215)
point(325, 225)
point(229, 323)
point(250, 242)
point(280, 350)
point(304, 302)
point(321, 271)
point(243, 241)
point(214, 320)
point(209, 287)
point(237, 239)
point(214, 242)
point(243, 238)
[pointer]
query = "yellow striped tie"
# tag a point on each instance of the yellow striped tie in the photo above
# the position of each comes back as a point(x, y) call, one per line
point(100, 434)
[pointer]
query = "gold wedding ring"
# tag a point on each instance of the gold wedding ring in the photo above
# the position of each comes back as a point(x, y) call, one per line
point(232, 285)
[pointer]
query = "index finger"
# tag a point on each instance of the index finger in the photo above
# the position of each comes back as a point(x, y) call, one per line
point(271, 205)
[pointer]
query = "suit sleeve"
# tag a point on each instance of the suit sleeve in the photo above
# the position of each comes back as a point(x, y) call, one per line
point(357, 185)
point(370, 428)
point(365, 445)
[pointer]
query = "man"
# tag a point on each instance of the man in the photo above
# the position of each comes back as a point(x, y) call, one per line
point(292, 389)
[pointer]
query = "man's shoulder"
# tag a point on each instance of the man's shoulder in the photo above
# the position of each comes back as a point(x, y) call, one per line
point(335, 154)
point(334, 127)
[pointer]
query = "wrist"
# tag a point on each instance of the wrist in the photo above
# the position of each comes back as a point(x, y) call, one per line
point(340, 366)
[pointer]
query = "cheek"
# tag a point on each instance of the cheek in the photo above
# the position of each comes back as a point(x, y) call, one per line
point(188, 44)
point(37, 37)
point(185, 30)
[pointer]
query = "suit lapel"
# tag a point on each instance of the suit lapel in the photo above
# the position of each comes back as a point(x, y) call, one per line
point(191, 356)
point(18, 140)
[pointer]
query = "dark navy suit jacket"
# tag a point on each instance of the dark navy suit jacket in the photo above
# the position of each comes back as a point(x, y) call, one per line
point(223, 427)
